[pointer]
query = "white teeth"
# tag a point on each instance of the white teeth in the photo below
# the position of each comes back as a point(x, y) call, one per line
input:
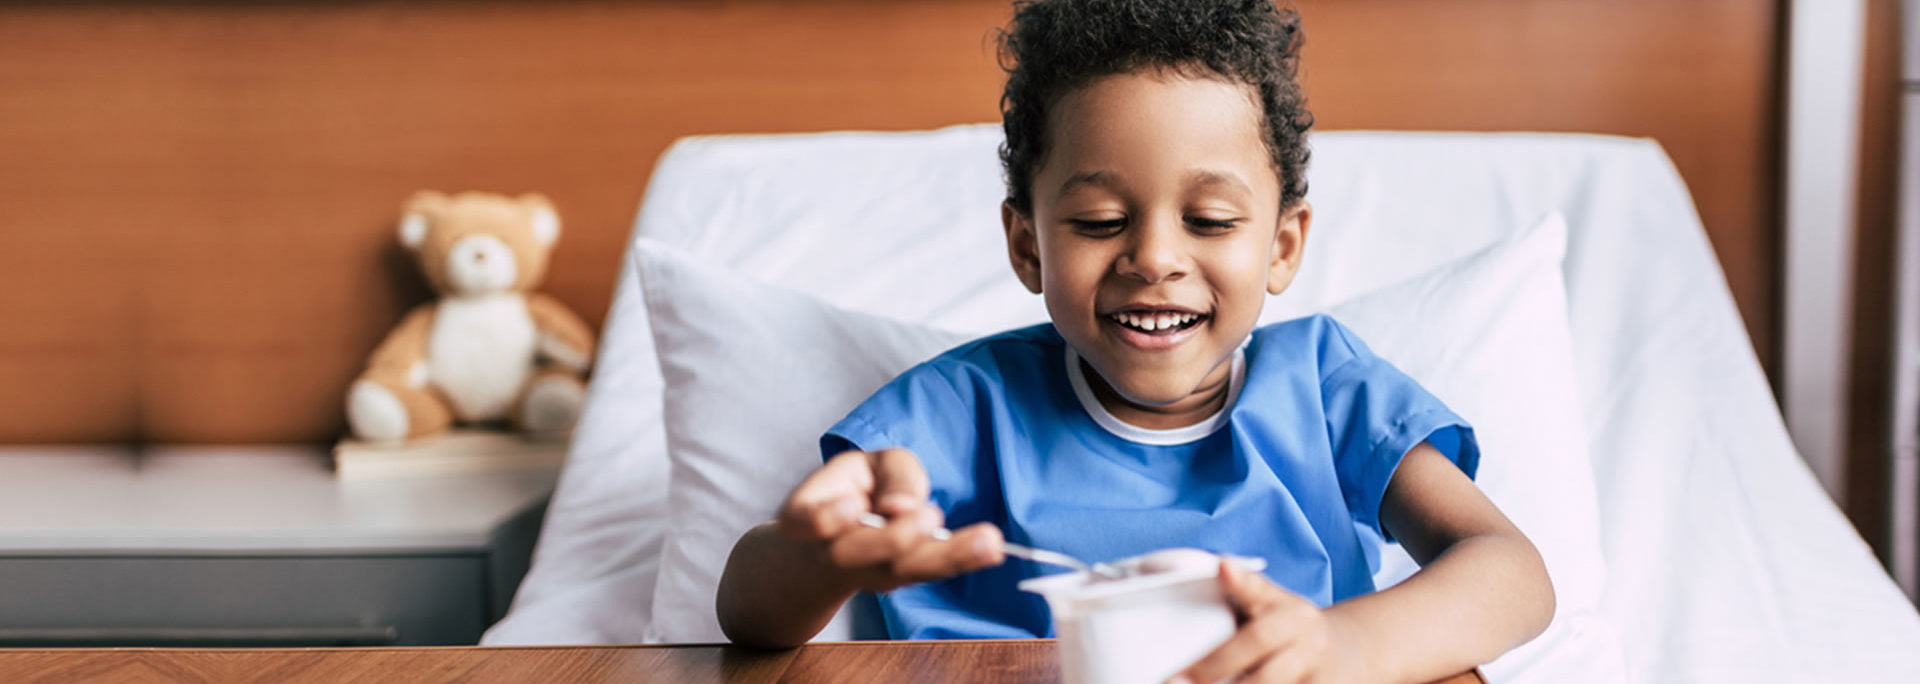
point(1154, 322)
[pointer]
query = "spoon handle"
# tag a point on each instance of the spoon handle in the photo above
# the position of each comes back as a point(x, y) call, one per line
point(1045, 556)
point(1011, 549)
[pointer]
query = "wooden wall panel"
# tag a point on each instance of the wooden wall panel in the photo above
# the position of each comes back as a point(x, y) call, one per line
point(1700, 76)
point(253, 158)
point(197, 199)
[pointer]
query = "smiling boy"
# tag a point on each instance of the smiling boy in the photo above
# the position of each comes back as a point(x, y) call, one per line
point(1155, 161)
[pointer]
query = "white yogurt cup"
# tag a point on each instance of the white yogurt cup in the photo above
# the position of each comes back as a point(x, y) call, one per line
point(1167, 613)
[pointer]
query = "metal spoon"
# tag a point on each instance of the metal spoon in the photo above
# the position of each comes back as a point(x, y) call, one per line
point(1102, 571)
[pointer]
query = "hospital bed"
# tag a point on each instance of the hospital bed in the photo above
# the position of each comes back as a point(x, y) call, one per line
point(1722, 558)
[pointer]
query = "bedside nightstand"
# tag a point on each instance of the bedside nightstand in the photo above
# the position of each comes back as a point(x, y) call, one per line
point(245, 546)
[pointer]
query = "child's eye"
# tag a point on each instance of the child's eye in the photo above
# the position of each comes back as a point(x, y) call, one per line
point(1211, 225)
point(1098, 227)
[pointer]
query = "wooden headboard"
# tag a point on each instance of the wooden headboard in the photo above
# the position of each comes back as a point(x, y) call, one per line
point(197, 198)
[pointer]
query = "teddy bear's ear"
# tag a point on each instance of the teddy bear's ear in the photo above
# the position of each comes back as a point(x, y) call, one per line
point(413, 222)
point(423, 201)
point(413, 230)
point(546, 222)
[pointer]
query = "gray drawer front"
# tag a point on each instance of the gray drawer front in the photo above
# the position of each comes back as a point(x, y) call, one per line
point(267, 601)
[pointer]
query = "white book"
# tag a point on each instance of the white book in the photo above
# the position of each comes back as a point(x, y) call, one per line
point(457, 452)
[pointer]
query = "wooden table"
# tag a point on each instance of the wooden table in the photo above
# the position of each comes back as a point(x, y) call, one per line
point(878, 661)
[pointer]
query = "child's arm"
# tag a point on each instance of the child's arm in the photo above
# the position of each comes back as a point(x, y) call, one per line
point(786, 578)
point(1481, 590)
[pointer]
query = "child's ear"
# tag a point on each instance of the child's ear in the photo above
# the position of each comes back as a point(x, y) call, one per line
point(1023, 246)
point(1289, 244)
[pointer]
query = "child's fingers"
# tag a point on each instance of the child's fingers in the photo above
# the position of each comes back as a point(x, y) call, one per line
point(1291, 665)
point(830, 500)
point(1255, 642)
point(1272, 622)
point(863, 547)
point(971, 548)
point(1251, 593)
point(900, 482)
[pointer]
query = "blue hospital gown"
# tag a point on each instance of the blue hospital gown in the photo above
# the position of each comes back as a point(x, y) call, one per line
point(1293, 470)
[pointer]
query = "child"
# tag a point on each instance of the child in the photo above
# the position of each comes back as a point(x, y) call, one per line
point(1155, 175)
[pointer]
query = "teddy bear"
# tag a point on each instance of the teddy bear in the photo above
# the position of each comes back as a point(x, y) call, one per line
point(489, 348)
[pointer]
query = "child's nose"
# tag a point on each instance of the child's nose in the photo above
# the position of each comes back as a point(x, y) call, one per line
point(1154, 253)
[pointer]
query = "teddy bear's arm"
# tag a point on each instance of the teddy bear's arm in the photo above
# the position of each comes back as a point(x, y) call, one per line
point(563, 337)
point(401, 358)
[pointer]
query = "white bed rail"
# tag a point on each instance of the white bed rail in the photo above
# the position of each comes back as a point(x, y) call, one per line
point(1904, 471)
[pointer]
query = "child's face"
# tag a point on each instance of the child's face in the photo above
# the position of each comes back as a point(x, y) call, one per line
point(1157, 232)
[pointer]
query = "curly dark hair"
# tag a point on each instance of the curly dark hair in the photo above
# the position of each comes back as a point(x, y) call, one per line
point(1055, 46)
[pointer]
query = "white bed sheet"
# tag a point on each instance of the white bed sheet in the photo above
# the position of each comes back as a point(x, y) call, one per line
point(1726, 562)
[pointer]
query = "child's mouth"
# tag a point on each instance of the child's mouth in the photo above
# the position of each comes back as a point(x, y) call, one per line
point(1158, 323)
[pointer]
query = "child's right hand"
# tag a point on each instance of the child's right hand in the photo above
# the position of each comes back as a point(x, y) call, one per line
point(827, 506)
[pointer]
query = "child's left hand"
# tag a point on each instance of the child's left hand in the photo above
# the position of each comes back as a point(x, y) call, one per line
point(1282, 638)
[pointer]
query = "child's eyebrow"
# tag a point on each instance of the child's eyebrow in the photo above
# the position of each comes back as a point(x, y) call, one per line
point(1202, 178)
point(1096, 179)
point(1229, 181)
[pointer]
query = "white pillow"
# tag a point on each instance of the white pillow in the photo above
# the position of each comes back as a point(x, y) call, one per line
point(1488, 335)
point(756, 373)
